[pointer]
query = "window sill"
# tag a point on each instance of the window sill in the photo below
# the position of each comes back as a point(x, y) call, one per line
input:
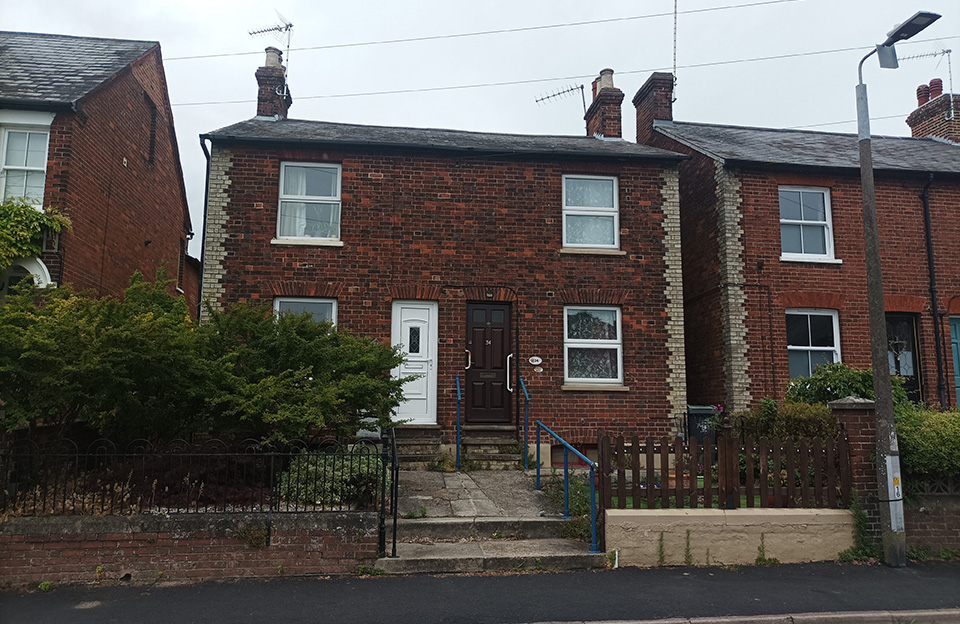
point(308, 242)
point(593, 252)
point(578, 387)
point(810, 260)
point(179, 290)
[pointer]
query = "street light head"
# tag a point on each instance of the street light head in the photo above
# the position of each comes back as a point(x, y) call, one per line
point(912, 26)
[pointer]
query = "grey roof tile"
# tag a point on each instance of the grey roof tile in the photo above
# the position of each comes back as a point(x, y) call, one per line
point(57, 70)
point(328, 133)
point(813, 149)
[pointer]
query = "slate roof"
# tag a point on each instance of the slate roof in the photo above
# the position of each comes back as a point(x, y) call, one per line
point(39, 70)
point(291, 131)
point(807, 148)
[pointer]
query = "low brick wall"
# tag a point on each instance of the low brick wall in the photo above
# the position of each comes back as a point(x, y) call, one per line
point(933, 522)
point(185, 547)
point(727, 537)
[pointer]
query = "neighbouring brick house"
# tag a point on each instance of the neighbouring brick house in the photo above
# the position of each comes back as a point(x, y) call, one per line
point(86, 126)
point(486, 256)
point(773, 254)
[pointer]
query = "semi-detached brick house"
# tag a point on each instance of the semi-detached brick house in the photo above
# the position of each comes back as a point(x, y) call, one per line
point(773, 253)
point(86, 126)
point(486, 256)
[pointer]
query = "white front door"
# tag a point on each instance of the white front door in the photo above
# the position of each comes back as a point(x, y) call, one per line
point(415, 332)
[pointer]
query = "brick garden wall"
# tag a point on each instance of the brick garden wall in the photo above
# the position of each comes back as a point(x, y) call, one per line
point(451, 229)
point(190, 547)
point(933, 522)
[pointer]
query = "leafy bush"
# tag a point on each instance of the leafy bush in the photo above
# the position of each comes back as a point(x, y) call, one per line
point(830, 382)
point(21, 229)
point(334, 480)
point(772, 419)
point(929, 441)
point(579, 526)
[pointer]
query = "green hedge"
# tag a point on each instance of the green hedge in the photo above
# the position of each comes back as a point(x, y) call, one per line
point(929, 441)
point(334, 480)
point(798, 420)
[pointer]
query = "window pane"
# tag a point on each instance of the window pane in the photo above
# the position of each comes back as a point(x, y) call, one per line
point(34, 189)
point(310, 219)
point(479, 315)
point(589, 230)
point(814, 208)
point(591, 324)
point(15, 185)
point(798, 334)
point(814, 239)
point(36, 150)
point(799, 364)
point(820, 357)
point(790, 239)
point(588, 192)
point(309, 181)
point(16, 149)
point(321, 310)
point(790, 205)
point(414, 342)
point(592, 363)
point(496, 316)
point(821, 331)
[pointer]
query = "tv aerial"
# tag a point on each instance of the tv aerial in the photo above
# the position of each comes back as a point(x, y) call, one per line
point(282, 32)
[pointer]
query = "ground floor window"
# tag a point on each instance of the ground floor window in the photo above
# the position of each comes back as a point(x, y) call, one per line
point(321, 309)
point(813, 338)
point(593, 345)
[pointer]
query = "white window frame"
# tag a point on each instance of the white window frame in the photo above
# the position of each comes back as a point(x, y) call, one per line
point(827, 224)
point(835, 317)
point(4, 167)
point(278, 300)
point(569, 343)
point(592, 211)
point(311, 199)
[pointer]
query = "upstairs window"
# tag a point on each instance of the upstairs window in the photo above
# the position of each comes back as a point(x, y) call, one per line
point(813, 338)
point(593, 347)
point(309, 201)
point(24, 164)
point(806, 233)
point(591, 215)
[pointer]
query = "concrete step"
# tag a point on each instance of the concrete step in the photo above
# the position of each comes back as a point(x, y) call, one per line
point(450, 529)
point(491, 555)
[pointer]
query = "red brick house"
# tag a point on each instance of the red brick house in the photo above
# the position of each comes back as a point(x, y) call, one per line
point(86, 126)
point(773, 254)
point(486, 256)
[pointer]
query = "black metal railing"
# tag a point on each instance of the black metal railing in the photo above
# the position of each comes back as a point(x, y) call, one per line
point(210, 477)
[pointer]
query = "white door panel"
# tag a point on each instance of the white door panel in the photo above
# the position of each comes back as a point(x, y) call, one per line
point(415, 332)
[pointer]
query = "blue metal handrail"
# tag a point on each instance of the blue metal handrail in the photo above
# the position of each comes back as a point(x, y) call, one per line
point(526, 425)
point(458, 423)
point(566, 480)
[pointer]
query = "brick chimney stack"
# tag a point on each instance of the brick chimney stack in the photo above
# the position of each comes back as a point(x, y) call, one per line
point(273, 96)
point(653, 101)
point(936, 114)
point(603, 116)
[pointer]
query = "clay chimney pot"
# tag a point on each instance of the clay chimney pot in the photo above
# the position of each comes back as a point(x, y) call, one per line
point(923, 95)
point(936, 88)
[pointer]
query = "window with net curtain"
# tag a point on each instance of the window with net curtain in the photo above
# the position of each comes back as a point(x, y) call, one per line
point(309, 201)
point(593, 348)
point(24, 165)
point(320, 309)
point(813, 338)
point(591, 217)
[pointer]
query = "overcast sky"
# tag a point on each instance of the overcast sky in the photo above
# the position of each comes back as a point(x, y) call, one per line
point(345, 55)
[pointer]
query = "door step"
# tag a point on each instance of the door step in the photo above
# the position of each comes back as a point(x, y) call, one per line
point(460, 529)
point(418, 446)
point(491, 555)
point(491, 447)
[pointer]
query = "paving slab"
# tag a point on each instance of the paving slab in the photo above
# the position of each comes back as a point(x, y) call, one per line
point(480, 493)
point(491, 555)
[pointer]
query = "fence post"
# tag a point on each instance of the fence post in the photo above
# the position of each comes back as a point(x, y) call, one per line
point(729, 468)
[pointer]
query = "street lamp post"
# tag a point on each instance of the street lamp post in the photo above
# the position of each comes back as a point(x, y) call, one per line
point(890, 490)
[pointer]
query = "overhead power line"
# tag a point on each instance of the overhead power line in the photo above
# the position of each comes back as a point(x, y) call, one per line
point(484, 33)
point(509, 83)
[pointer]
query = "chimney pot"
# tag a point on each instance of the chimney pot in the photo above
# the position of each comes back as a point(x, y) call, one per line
point(605, 79)
point(273, 95)
point(923, 95)
point(274, 57)
point(936, 88)
point(603, 116)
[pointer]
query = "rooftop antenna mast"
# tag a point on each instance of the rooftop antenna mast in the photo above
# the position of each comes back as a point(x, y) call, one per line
point(562, 93)
point(281, 31)
point(675, 13)
point(943, 52)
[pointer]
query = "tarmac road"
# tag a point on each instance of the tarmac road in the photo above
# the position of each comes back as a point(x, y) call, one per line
point(624, 594)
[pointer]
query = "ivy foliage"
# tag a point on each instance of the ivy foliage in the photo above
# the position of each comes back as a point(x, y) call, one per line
point(140, 366)
point(21, 229)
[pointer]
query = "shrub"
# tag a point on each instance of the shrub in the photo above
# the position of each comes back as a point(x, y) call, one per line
point(830, 382)
point(799, 420)
point(334, 480)
point(929, 441)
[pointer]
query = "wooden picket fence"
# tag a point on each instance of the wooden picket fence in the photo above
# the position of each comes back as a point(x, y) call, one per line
point(650, 473)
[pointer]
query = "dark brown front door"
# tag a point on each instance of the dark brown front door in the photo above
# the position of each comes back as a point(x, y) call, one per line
point(902, 353)
point(488, 343)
